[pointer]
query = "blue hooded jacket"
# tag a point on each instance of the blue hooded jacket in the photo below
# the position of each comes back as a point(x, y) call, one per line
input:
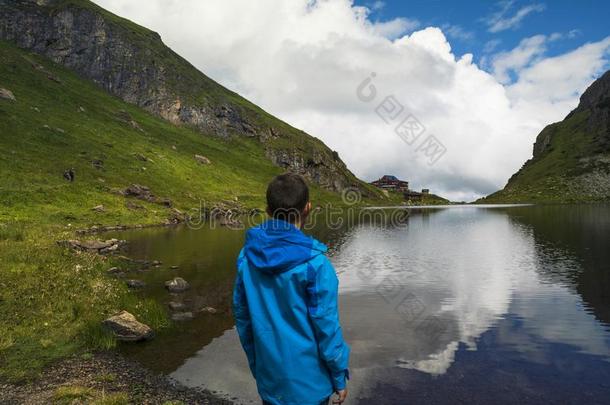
point(285, 308)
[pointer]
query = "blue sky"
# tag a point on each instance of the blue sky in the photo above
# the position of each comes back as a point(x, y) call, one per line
point(469, 24)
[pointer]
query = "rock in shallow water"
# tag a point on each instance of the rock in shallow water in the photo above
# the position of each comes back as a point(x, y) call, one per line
point(176, 306)
point(178, 284)
point(127, 328)
point(182, 316)
point(135, 284)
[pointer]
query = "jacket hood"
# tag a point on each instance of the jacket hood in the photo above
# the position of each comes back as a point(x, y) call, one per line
point(277, 246)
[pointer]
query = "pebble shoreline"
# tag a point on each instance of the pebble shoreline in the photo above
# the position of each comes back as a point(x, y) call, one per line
point(142, 385)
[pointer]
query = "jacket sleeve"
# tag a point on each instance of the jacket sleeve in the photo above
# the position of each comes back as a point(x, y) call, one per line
point(243, 321)
point(322, 293)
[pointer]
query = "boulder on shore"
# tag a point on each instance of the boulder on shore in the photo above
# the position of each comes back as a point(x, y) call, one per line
point(125, 327)
point(178, 284)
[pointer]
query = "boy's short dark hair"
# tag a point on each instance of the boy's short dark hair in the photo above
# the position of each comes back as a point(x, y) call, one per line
point(287, 196)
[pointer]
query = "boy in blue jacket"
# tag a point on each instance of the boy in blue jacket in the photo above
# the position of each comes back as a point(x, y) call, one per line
point(285, 305)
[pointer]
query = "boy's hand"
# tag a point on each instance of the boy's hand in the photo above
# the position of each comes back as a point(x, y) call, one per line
point(341, 395)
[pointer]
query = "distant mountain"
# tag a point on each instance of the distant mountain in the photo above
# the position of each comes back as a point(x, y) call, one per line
point(571, 158)
point(132, 62)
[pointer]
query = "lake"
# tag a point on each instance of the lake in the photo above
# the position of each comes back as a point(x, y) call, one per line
point(472, 304)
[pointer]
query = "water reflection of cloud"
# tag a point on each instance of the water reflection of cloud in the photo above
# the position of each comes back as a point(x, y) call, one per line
point(487, 268)
point(469, 269)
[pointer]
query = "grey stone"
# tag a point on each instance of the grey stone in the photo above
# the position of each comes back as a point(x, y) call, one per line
point(176, 306)
point(178, 284)
point(135, 284)
point(202, 159)
point(182, 316)
point(6, 94)
point(126, 327)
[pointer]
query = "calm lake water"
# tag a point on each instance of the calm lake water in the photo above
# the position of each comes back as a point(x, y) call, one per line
point(468, 304)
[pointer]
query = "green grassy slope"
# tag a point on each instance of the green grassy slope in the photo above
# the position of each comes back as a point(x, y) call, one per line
point(564, 172)
point(54, 126)
point(52, 301)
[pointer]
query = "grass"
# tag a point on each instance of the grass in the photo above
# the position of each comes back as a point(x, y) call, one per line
point(52, 301)
point(76, 394)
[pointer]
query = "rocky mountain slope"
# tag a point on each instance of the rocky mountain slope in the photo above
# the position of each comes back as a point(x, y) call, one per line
point(132, 63)
point(571, 158)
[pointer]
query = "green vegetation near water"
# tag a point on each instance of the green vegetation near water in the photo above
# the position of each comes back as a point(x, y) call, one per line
point(52, 301)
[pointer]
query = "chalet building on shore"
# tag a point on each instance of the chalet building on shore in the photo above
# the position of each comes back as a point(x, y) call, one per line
point(411, 195)
point(392, 183)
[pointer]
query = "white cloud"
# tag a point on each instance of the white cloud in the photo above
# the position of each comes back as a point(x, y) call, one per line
point(458, 32)
point(501, 20)
point(574, 33)
point(522, 55)
point(395, 28)
point(302, 61)
point(491, 45)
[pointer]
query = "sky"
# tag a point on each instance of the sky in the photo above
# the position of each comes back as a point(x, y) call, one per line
point(447, 95)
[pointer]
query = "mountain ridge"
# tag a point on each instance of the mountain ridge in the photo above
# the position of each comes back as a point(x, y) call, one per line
point(570, 159)
point(131, 62)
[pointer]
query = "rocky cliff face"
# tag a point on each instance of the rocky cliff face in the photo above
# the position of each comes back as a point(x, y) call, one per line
point(571, 158)
point(595, 102)
point(132, 63)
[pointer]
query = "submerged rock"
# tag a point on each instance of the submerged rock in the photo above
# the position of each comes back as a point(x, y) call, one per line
point(178, 284)
point(125, 327)
point(182, 316)
point(135, 284)
point(176, 306)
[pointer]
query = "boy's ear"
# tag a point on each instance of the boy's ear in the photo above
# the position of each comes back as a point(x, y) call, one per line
point(268, 210)
point(307, 209)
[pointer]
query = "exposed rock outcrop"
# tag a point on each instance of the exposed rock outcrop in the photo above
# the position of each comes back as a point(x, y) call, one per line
point(7, 94)
point(321, 167)
point(202, 160)
point(144, 193)
point(93, 246)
